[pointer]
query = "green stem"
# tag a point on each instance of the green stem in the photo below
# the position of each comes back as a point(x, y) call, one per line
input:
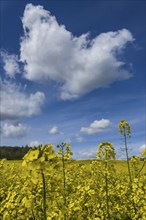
point(140, 169)
point(33, 215)
point(126, 148)
point(44, 197)
point(106, 183)
point(64, 180)
point(113, 184)
point(127, 157)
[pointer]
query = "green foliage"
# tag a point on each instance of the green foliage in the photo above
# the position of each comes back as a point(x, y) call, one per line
point(13, 153)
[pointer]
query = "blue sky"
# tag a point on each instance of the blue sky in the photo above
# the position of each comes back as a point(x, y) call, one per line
point(70, 71)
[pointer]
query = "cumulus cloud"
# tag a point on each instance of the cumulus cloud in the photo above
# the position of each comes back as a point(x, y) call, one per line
point(80, 64)
point(10, 64)
point(13, 130)
point(34, 143)
point(16, 104)
point(54, 130)
point(97, 126)
point(142, 147)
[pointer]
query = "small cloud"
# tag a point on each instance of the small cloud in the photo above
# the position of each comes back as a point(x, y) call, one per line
point(13, 130)
point(84, 155)
point(79, 139)
point(142, 147)
point(96, 127)
point(54, 130)
point(10, 64)
point(34, 143)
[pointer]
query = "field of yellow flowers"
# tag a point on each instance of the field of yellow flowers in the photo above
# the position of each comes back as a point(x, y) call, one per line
point(51, 186)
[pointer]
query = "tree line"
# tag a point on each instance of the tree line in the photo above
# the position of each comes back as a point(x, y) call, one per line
point(13, 153)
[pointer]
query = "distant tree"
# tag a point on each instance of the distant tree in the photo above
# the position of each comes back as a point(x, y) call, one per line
point(13, 153)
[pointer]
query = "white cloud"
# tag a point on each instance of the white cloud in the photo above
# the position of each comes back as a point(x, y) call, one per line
point(142, 147)
point(96, 126)
point(79, 64)
point(34, 143)
point(15, 103)
point(79, 139)
point(10, 64)
point(85, 155)
point(54, 130)
point(13, 130)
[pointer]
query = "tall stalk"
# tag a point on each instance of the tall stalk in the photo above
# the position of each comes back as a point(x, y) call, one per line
point(124, 128)
point(64, 175)
point(127, 157)
point(64, 153)
point(106, 152)
point(44, 197)
point(106, 183)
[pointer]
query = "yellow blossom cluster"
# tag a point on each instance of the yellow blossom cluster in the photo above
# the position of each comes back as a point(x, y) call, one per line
point(52, 186)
